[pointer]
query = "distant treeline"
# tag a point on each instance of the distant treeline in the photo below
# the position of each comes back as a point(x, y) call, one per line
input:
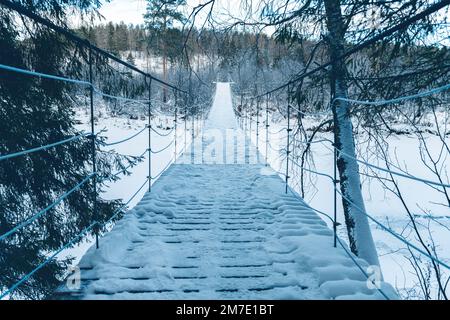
point(121, 37)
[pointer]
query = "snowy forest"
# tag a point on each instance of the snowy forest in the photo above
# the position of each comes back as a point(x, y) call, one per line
point(346, 101)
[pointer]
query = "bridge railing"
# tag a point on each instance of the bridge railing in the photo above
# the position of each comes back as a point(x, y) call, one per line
point(94, 135)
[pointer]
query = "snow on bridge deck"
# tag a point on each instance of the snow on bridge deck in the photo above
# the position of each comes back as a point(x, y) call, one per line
point(220, 231)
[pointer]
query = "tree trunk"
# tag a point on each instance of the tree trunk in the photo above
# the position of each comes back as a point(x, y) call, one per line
point(165, 58)
point(165, 75)
point(359, 234)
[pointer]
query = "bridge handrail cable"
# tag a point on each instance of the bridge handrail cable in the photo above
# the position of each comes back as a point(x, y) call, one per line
point(399, 99)
point(358, 265)
point(393, 233)
point(116, 174)
point(40, 266)
point(24, 152)
point(407, 176)
point(75, 188)
point(163, 148)
point(325, 141)
point(69, 80)
point(125, 139)
point(45, 210)
point(90, 227)
point(162, 134)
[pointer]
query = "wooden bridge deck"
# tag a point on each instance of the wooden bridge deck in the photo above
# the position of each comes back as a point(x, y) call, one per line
point(219, 232)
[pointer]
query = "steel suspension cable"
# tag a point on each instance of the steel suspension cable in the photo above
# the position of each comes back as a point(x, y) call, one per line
point(399, 99)
point(407, 176)
point(310, 170)
point(379, 223)
point(163, 134)
point(24, 152)
point(387, 229)
point(126, 139)
point(69, 80)
point(40, 266)
point(84, 42)
point(361, 268)
point(119, 210)
point(43, 75)
point(45, 210)
point(164, 148)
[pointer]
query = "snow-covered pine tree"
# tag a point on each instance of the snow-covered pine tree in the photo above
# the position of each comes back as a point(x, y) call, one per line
point(130, 59)
point(122, 38)
point(111, 40)
point(36, 112)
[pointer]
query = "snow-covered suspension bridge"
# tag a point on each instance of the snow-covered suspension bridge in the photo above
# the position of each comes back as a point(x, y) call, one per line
point(221, 229)
point(215, 224)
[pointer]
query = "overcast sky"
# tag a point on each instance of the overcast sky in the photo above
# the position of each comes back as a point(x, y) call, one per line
point(128, 11)
point(131, 11)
